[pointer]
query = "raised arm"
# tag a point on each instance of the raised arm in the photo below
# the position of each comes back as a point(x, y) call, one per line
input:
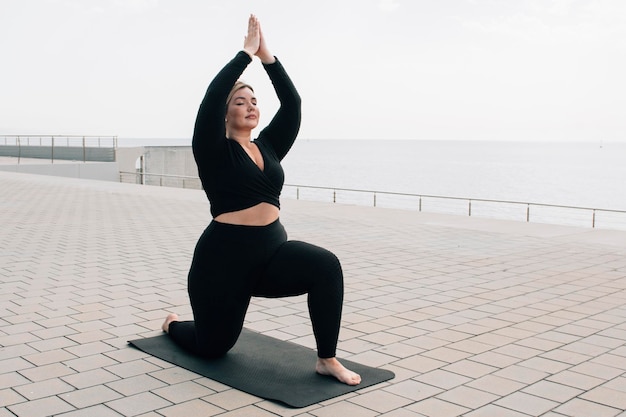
point(210, 127)
point(284, 127)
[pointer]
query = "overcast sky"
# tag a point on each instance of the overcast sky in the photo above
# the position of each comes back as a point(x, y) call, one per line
point(375, 69)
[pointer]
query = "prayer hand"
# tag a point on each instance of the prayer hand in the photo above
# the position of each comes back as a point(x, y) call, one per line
point(263, 52)
point(252, 41)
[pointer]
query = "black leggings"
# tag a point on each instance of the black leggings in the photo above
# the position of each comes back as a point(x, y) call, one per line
point(232, 263)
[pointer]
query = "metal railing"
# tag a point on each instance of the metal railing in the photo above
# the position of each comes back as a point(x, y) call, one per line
point(469, 202)
point(418, 202)
point(77, 147)
point(162, 180)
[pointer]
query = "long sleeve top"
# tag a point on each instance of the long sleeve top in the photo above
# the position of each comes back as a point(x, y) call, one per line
point(230, 178)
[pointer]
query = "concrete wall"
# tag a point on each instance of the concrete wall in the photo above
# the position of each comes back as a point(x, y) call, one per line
point(175, 161)
point(69, 153)
point(127, 160)
point(105, 171)
point(171, 160)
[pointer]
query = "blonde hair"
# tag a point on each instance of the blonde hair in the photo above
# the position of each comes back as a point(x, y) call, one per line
point(238, 86)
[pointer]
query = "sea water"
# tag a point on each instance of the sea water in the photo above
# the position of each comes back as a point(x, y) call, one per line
point(578, 174)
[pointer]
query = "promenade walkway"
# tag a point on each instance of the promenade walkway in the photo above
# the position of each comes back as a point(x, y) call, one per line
point(476, 317)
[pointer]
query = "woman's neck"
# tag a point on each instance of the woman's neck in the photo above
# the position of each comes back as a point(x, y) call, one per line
point(242, 137)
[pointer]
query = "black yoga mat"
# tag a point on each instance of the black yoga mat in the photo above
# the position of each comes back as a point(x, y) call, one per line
point(265, 367)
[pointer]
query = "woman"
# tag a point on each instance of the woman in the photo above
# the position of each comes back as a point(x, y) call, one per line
point(244, 251)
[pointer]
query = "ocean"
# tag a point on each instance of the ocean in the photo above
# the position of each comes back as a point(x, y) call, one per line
point(578, 174)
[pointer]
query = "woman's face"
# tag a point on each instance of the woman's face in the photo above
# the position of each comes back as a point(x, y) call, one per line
point(242, 111)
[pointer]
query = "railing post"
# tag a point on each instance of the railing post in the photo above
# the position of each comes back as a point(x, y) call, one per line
point(374, 199)
point(84, 151)
point(52, 151)
point(527, 213)
point(470, 208)
point(593, 219)
point(420, 209)
point(334, 196)
point(297, 193)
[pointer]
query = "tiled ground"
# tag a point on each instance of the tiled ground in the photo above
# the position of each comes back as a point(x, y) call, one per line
point(476, 317)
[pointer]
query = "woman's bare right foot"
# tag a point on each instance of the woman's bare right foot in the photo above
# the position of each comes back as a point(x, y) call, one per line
point(170, 318)
point(332, 367)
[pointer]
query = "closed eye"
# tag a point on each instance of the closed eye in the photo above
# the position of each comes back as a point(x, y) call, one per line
point(242, 103)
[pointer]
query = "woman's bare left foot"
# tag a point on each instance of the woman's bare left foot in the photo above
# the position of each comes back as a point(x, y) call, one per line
point(333, 367)
point(170, 318)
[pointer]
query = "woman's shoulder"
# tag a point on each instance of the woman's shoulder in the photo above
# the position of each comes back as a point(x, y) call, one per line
point(264, 142)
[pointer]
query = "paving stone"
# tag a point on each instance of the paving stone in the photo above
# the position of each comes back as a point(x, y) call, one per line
point(88, 363)
point(467, 397)
point(343, 409)
point(606, 396)
point(9, 397)
point(552, 391)
point(250, 411)
point(135, 385)
point(492, 410)
point(90, 378)
point(138, 404)
point(231, 399)
point(380, 401)
point(50, 357)
point(476, 317)
point(193, 408)
point(41, 408)
point(12, 379)
point(442, 379)
point(496, 385)
point(95, 411)
point(436, 407)
point(521, 374)
point(575, 380)
point(91, 396)
point(41, 389)
point(133, 368)
point(185, 391)
point(581, 408)
point(41, 373)
point(413, 390)
point(526, 403)
point(174, 375)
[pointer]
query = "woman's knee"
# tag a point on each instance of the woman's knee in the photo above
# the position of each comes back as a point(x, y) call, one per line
point(325, 266)
point(216, 342)
point(212, 351)
point(330, 262)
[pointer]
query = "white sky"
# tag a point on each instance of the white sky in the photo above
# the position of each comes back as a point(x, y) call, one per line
point(375, 69)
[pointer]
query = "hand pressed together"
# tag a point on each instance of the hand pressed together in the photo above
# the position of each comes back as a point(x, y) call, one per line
point(254, 43)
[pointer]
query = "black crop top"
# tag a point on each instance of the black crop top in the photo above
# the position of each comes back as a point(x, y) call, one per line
point(230, 178)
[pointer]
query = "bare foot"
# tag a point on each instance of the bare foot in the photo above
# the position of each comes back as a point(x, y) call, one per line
point(170, 318)
point(332, 367)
